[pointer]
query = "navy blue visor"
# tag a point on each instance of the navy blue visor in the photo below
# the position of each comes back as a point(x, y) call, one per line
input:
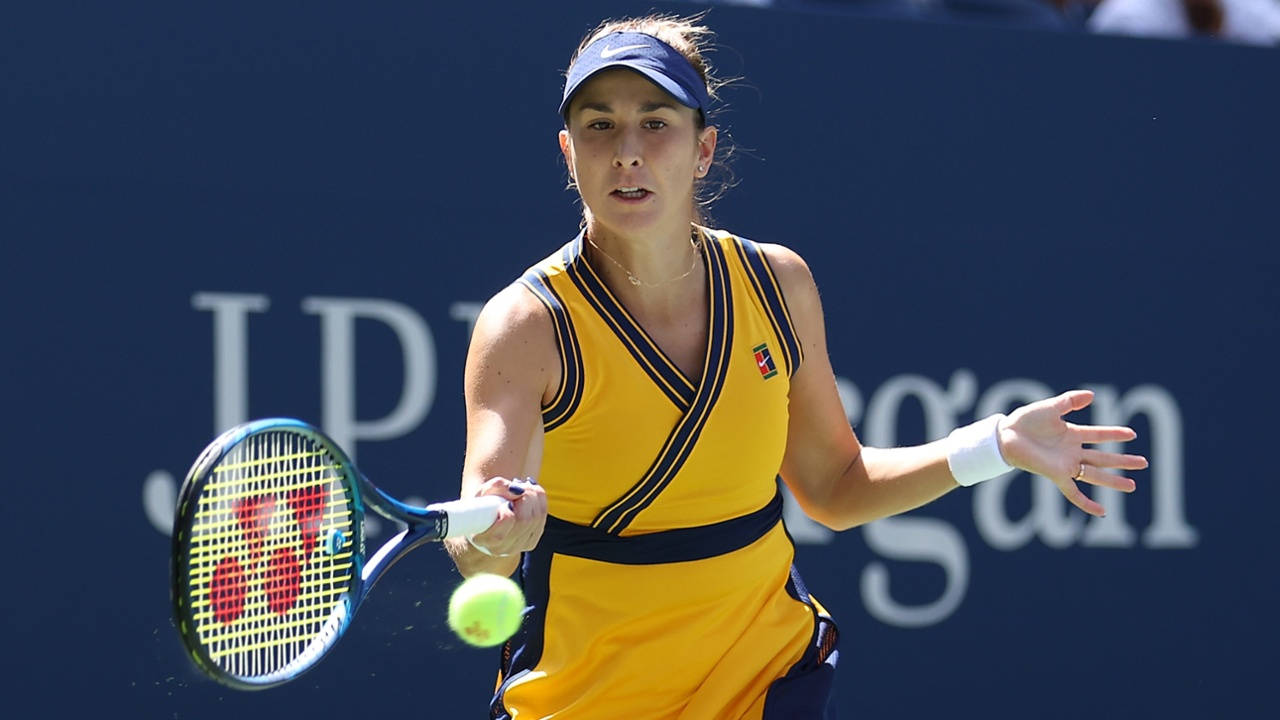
point(645, 54)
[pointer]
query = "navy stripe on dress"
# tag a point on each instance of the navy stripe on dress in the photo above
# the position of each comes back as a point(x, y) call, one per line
point(765, 283)
point(666, 546)
point(569, 394)
point(805, 691)
point(715, 373)
point(560, 537)
point(680, 443)
point(523, 650)
point(646, 352)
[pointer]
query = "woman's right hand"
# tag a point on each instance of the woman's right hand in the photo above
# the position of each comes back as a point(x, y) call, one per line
point(519, 525)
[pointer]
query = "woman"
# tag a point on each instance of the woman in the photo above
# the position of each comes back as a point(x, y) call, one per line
point(655, 377)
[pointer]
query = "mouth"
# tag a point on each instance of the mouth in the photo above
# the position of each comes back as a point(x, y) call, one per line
point(631, 193)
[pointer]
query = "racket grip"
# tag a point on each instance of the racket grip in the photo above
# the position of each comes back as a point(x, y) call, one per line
point(470, 515)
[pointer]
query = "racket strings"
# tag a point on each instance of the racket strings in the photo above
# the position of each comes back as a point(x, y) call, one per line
point(271, 551)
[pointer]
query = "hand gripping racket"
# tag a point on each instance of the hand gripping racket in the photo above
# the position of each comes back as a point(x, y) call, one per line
point(268, 549)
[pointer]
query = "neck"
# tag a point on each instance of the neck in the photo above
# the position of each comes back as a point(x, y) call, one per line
point(655, 261)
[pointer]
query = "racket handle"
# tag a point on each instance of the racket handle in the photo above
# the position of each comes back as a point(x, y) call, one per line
point(470, 515)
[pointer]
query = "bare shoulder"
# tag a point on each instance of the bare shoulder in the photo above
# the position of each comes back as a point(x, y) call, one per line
point(793, 275)
point(784, 260)
point(514, 343)
point(513, 314)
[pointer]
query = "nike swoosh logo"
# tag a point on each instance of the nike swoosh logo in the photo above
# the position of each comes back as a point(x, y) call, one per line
point(610, 52)
point(762, 363)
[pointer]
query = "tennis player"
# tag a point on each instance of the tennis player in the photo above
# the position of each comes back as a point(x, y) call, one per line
point(636, 394)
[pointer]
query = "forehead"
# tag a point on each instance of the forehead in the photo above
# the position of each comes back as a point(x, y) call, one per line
point(619, 88)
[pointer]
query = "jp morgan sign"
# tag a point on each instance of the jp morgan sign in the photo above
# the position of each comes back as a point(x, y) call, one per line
point(913, 537)
point(1050, 520)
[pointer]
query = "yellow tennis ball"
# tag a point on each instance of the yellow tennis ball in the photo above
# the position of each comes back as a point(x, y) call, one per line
point(486, 609)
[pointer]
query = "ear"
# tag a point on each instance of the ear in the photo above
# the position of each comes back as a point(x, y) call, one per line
point(706, 150)
point(566, 149)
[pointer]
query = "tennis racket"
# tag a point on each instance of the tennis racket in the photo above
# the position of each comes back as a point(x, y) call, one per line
point(268, 549)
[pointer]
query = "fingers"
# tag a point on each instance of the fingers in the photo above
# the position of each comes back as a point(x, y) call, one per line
point(1072, 400)
point(1098, 458)
point(1102, 478)
point(503, 487)
point(1091, 469)
point(1094, 475)
point(520, 524)
point(1089, 434)
point(1074, 496)
point(1089, 466)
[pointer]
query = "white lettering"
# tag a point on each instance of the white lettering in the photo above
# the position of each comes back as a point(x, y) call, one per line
point(337, 323)
point(917, 539)
point(230, 353)
point(1169, 527)
point(906, 538)
point(913, 538)
point(160, 499)
point(466, 312)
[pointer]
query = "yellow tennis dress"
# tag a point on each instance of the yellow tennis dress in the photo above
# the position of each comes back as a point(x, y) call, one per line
point(663, 586)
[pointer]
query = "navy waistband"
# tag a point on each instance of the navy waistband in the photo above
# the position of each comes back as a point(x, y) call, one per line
point(668, 546)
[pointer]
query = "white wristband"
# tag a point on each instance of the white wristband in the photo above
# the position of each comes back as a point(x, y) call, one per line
point(973, 452)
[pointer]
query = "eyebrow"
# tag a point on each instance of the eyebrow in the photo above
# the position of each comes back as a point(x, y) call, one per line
point(606, 108)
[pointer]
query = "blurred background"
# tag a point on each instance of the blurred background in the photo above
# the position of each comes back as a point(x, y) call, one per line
point(212, 212)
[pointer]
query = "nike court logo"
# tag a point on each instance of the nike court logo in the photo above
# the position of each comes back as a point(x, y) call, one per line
point(610, 52)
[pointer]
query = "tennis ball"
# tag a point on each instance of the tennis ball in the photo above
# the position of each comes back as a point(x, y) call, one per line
point(486, 609)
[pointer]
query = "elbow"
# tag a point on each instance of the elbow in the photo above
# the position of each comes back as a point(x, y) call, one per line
point(832, 498)
point(839, 522)
point(831, 513)
point(849, 522)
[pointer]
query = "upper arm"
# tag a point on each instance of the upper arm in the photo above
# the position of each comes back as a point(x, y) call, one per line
point(821, 446)
point(512, 364)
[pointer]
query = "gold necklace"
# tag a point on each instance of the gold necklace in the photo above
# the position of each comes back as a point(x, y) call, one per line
point(637, 281)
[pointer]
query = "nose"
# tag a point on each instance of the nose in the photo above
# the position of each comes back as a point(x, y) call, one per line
point(627, 153)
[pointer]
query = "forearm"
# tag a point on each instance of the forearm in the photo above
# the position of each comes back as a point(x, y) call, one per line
point(512, 348)
point(895, 480)
point(880, 482)
point(877, 483)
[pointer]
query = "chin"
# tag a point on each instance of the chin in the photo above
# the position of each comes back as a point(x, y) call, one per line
point(637, 220)
point(627, 223)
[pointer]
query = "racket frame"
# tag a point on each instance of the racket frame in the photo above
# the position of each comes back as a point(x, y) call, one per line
point(422, 525)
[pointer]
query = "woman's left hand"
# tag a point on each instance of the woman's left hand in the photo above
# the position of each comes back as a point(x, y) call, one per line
point(1036, 438)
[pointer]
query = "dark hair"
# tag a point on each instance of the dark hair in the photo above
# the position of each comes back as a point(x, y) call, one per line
point(693, 40)
point(1204, 16)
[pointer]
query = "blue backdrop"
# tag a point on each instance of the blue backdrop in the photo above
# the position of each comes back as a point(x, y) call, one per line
point(218, 211)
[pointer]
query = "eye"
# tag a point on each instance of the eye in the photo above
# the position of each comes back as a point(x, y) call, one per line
point(654, 124)
point(600, 125)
